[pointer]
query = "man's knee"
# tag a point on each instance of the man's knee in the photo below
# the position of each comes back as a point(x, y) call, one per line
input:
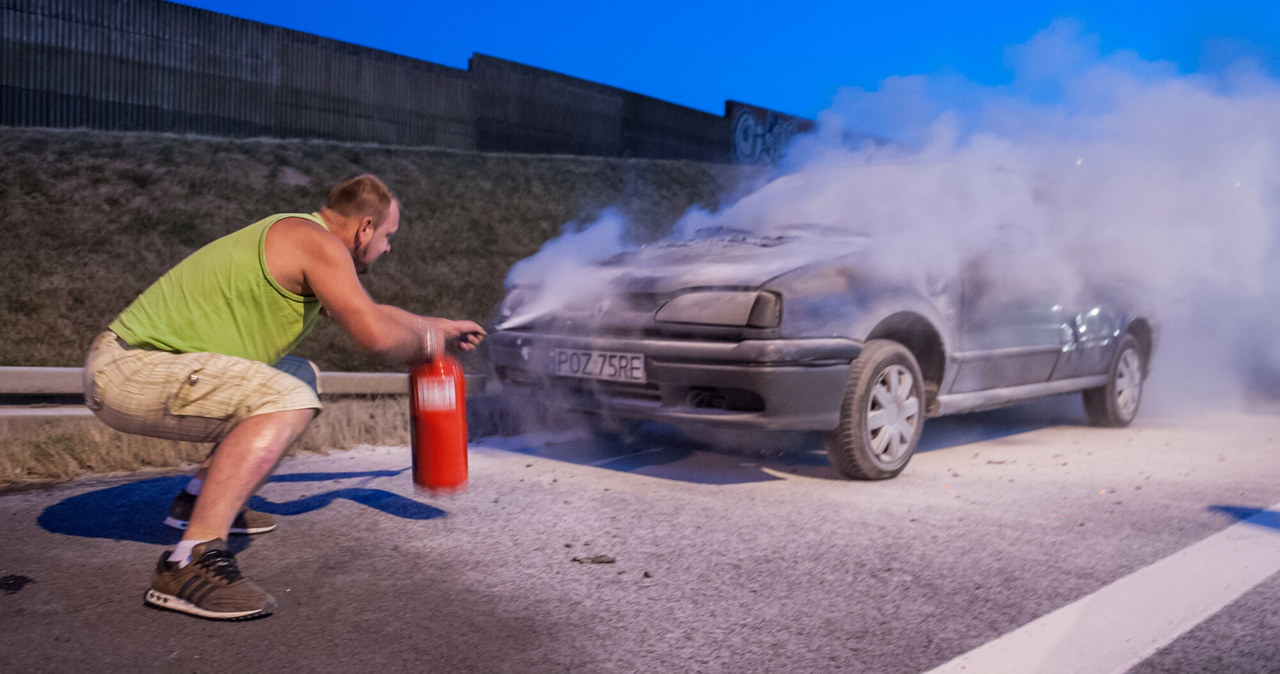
point(270, 433)
point(291, 422)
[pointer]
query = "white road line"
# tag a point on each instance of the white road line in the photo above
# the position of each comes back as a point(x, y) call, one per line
point(1126, 622)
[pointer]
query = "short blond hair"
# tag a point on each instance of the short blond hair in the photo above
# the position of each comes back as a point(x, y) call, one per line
point(363, 195)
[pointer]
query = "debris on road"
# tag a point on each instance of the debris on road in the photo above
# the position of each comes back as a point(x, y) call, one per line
point(597, 559)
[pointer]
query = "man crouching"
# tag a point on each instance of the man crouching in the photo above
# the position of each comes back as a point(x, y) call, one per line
point(201, 356)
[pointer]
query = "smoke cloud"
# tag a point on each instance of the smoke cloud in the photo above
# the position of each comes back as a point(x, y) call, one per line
point(1087, 165)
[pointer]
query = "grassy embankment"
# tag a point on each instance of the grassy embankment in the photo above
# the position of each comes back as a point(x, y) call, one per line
point(91, 218)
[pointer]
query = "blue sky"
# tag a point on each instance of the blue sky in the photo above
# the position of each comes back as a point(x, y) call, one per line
point(793, 58)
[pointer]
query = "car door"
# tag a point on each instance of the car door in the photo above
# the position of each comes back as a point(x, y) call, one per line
point(1011, 332)
point(1094, 333)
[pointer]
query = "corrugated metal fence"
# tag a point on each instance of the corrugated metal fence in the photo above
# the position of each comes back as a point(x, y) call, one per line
point(157, 66)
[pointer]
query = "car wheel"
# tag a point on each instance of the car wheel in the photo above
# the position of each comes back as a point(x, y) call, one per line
point(882, 415)
point(1116, 403)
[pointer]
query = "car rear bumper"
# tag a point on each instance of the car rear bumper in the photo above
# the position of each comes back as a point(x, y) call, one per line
point(777, 384)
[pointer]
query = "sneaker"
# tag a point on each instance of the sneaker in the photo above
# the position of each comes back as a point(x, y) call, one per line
point(210, 586)
point(246, 522)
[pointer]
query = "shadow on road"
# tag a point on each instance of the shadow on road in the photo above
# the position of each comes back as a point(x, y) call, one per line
point(1269, 519)
point(962, 429)
point(135, 511)
point(737, 457)
point(654, 450)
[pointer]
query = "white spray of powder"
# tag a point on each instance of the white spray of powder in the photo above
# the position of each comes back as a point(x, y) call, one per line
point(1105, 167)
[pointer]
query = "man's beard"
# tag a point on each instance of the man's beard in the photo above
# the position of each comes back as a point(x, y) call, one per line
point(361, 267)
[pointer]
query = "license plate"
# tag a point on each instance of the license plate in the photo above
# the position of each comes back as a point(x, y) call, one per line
point(607, 365)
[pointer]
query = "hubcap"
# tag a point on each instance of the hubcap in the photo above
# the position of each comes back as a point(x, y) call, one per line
point(893, 413)
point(1128, 383)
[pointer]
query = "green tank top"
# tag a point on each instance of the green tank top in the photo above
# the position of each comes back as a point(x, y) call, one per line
point(222, 299)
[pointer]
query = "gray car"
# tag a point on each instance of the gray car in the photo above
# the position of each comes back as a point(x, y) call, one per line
point(800, 330)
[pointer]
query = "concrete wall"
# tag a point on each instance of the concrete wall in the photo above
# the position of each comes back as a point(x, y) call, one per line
point(158, 66)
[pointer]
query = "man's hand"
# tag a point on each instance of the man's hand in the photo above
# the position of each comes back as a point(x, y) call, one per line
point(467, 335)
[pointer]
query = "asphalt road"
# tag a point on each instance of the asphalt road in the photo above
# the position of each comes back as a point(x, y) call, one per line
point(1015, 541)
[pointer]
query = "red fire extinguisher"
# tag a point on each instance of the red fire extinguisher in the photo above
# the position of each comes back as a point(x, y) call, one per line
point(438, 425)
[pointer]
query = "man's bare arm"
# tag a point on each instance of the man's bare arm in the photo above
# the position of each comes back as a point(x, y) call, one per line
point(330, 274)
point(462, 335)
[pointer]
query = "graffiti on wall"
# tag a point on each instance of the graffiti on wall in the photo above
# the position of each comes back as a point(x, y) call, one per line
point(760, 135)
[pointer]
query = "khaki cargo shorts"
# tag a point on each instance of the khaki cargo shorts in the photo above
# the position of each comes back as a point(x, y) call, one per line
point(196, 397)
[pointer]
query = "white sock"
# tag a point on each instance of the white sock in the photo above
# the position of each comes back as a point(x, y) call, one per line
point(193, 487)
point(182, 552)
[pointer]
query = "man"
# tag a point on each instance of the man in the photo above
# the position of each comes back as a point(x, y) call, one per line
point(190, 359)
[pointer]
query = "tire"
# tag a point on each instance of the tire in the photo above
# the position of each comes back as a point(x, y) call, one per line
point(1116, 404)
point(882, 414)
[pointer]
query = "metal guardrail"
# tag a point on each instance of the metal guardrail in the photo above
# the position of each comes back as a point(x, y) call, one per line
point(40, 380)
point(30, 385)
point(67, 381)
